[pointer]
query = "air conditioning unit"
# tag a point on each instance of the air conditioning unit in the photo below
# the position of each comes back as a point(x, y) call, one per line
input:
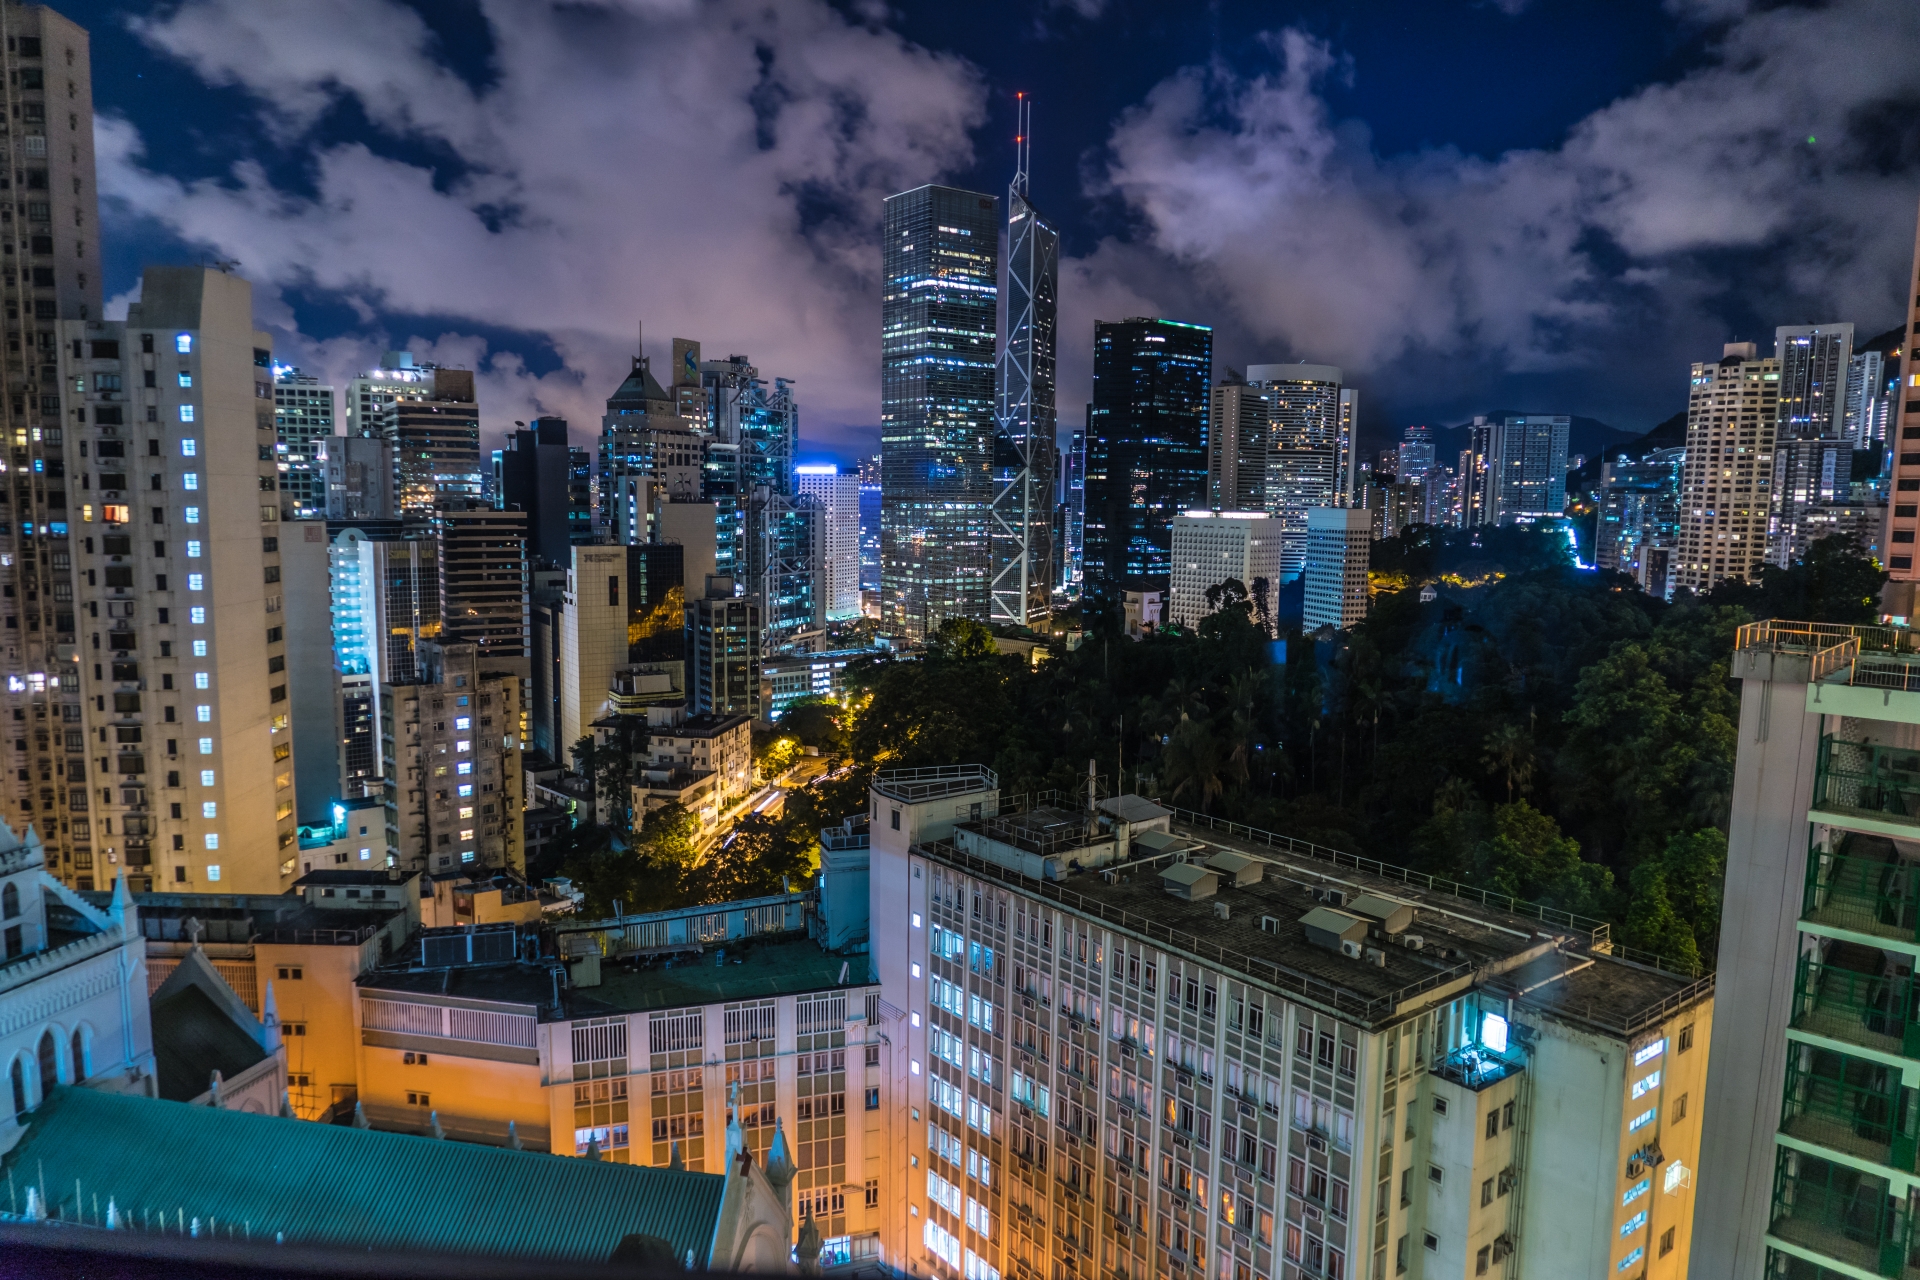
point(1220, 910)
point(1269, 924)
point(1412, 941)
point(1313, 1214)
point(1316, 1143)
point(1349, 948)
point(1376, 957)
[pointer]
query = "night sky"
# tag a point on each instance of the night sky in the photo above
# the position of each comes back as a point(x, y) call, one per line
point(1541, 205)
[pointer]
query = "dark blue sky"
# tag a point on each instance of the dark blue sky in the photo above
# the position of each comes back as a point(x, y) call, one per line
point(1554, 208)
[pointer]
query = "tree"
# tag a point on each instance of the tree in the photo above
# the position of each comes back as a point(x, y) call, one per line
point(1528, 858)
point(1835, 581)
point(1509, 754)
point(757, 858)
point(1676, 900)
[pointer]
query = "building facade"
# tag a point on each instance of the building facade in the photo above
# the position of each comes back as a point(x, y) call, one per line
point(1237, 427)
point(1213, 547)
point(1024, 479)
point(1339, 544)
point(940, 259)
point(1727, 487)
point(723, 652)
point(1639, 519)
point(186, 716)
point(1344, 1078)
point(1146, 447)
point(838, 497)
point(1814, 364)
point(303, 423)
point(1807, 1164)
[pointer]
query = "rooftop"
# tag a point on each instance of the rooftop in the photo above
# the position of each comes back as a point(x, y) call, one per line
point(1459, 938)
point(751, 970)
point(913, 786)
point(337, 1185)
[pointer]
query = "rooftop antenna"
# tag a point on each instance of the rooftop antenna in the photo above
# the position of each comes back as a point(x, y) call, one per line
point(1022, 143)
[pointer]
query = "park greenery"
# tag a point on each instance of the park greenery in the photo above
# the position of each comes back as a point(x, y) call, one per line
point(1529, 727)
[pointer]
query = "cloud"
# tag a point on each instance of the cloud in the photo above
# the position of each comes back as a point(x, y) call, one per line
point(717, 174)
point(1656, 219)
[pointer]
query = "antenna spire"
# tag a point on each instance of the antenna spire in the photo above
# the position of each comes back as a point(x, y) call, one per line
point(1022, 144)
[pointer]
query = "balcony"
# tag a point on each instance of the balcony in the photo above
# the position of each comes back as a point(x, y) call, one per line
point(1844, 1214)
point(1848, 998)
point(1877, 787)
point(1869, 889)
point(1848, 1104)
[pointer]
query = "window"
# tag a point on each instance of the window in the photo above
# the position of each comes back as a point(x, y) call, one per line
point(1666, 1242)
point(290, 973)
point(1480, 1259)
point(186, 413)
point(1433, 1243)
point(1493, 1123)
point(873, 1101)
point(1439, 1106)
point(293, 1028)
point(1486, 1193)
point(1685, 1039)
point(416, 1099)
point(183, 343)
point(1680, 1109)
point(873, 1193)
point(1435, 1174)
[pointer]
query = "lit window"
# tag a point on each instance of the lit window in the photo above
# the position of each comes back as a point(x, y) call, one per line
point(466, 788)
point(193, 515)
point(186, 413)
point(186, 379)
point(1647, 1085)
point(1642, 1120)
point(201, 680)
point(203, 713)
point(198, 617)
point(365, 854)
point(206, 777)
point(467, 812)
point(466, 855)
point(462, 722)
point(1648, 1052)
point(183, 342)
point(206, 746)
point(463, 745)
point(213, 841)
point(916, 970)
point(191, 480)
point(196, 582)
point(188, 448)
point(466, 766)
point(209, 809)
point(467, 834)
point(199, 648)
point(193, 549)
point(213, 868)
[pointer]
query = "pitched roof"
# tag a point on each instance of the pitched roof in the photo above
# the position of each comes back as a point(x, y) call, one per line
point(192, 1038)
point(336, 1185)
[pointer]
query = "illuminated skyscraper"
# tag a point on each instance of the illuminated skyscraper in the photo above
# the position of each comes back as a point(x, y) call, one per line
point(1732, 417)
point(1146, 447)
point(303, 422)
point(1024, 448)
point(838, 566)
point(1307, 455)
point(1813, 379)
point(937, 398)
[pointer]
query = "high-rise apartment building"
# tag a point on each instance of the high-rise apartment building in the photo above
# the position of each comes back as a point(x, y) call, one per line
point(52, 238)
point(1869, 408)
point(1308, 452)
point(1807, 1155)
point(1126, 1042)
point(1415, 456)
point(1905, 377)
point(1814, 363)
point(1214, 547)
point(451, 738)
point(1527, 473)
point(370, 395)
point(723, 652)
point(1810, 473)
point(1146, 447)
point(1726, 489)
point(592, 642)
point(1073, 498)
point(1339, 542)
point(1238, 421)
point(385, 588)
point(481, 555)
point(435, 432)
point(186, 721)
point(838, 570)
point(1024, 449)
point(1639, 521)
point(303, 423)
point(1352, 479)
point(359, 479)
point(649, 454)
point(940, 291)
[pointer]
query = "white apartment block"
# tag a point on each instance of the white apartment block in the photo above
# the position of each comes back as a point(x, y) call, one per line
point(1125, 1047)
point(593, 639)
point(182, 659)
point(839, 565)
point(1727, 485)
point(1212, 547)
point(1339, 544)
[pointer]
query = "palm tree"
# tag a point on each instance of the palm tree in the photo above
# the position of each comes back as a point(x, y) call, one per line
point(1509, 751)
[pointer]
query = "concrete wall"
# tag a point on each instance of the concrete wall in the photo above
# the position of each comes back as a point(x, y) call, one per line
point(1766, 868)
point(593, 640)
point(313, 683)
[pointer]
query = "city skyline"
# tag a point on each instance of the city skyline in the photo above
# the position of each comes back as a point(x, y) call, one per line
point(1372, 125)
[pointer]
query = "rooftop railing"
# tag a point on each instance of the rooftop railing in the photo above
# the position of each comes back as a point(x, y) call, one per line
point(916, 785)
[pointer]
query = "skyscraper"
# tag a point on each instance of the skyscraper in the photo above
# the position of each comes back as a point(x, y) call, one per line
point(1809, 472)
point(1531, 479)
point(1146, 447)
point(723, 651)
point(937, 399)
point(1024, 448)
point(435, 431)
point(1415, 456)
point(53, 242)
point(303, 423)
point(1307, 455)
point(1074, 497)
point(838, 496)
point(535, 474)
point(1870, 394)
point(185, 662)
point(1732, 416)
point(1238, 423)
point(1813, 379)
point(649, 453)
point(482, 558)
point(1338, 546)
point(1639, 518)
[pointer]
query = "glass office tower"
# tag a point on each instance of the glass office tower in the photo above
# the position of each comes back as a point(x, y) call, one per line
point(941, 261)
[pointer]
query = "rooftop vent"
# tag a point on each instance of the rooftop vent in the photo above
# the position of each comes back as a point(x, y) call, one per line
point(1331, 897)
point(1391, 916)
point(1190, 881)
point(1334, 930)
point(1220, 910)
point(1237, 869)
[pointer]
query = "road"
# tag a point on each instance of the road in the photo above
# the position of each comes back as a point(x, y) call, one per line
point(770, 799)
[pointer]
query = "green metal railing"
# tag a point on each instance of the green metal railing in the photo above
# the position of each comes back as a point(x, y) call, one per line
point(1868, 781)
point(1839, 1212)
point(1850, 1104)
point(1867, 1009)
point(1873, 895)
